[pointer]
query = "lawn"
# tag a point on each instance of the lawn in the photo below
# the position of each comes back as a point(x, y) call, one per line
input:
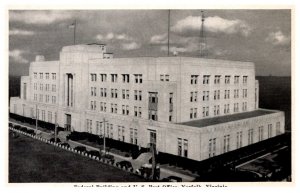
point(34, 161)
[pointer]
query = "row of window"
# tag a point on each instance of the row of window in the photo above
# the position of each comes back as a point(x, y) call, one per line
point(107, 129)
point(217, 79)
point(47, 98)
point(216, 110)
point(125, 78)
point(212, 143)
point(114, 93)
point(41, 115)
point(47, 75)
point(205, 95)
point(47, 87)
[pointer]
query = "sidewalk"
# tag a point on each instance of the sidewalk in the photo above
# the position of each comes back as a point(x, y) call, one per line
point(164, 172)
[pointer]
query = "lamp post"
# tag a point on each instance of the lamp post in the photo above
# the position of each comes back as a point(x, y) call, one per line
point(104, 142)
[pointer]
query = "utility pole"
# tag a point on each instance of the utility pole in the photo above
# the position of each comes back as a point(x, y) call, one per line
point(202, 39)
point(55, 129)
point(104, 142)
point(154, 173)
point(169, 13)
point(36, 118)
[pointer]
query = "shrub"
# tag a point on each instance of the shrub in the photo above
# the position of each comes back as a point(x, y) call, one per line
point(53, 140)
point(17, 127)
point(30, 131)
point(24, 129)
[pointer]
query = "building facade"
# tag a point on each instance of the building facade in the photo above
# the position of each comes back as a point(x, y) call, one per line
point(191, 107)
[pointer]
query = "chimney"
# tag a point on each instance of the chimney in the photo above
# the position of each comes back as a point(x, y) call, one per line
point(39, 58)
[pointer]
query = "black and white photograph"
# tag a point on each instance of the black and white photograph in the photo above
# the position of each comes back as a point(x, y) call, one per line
point(149, 95)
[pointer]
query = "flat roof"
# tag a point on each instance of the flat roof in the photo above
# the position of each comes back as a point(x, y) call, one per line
point(227, 118)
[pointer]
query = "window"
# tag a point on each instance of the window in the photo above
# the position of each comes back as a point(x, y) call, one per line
point(53, 76)
point(103, 77)
point(93, 91)
point(89, 126)
point(111, 131)
point(114, 93)
point(250, 136)
point(245, 79)
point(236, 107)
point(216, 94)
point(227, 79)
point(35, 97)
point(41, 86)
point(194, 79)
point(227, 94)
point(226, 146)
point(153, 115)
point(278, 128)
point(244, 93)
point(53, 99)
point(43, 115)
point(135, 95)
point(194, 96)
point(104, 91)
point(127, 94)
point(236, 79)
point(216, 110)
point(93, 77)
point(114, 77)
point(41, 98)
point(212, 147)
point(133, 136)
point(164, 77)
point(47, 76)
point(260, 133)
point(125, 78)
point(138, 78)
point(206, 79)
point(205, 96)
point(47, 87)
point(41, 75)
point(35, 86)
point(217, 79)
point(179, 146)
point(93, 105)
point(49, 116)
point(226, 109)
point(123, 93)
point(53, 88)
point(239, 139)
point(205, 111)
point(135, 111)
point(47, 98)
point(244, 108)
point(185, 148)
point(270, 130)
point(140, 95)
point(35, 75)
point(98, 128)
point(236, 93)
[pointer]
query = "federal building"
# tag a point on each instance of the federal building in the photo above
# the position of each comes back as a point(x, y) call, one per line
point(191, 107)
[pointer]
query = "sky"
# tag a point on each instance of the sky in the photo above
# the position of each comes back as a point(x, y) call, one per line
point(259, 36)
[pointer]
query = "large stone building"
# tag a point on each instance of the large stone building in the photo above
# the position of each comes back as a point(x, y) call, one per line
point(191, 107)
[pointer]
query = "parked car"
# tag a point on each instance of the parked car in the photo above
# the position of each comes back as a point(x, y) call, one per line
point(80, 148)
point(17, 127)
point(124, 164)
point(30, 131)
point(94, 153)
point(146, 170)
point(172, 179)
point(24, 129)
point(109, 157)
point(53, 140)
point(65, 144)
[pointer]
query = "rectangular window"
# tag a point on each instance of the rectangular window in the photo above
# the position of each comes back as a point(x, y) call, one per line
point(185, 148)
point(138, 78)
point(226, 146)
point(125, 78)
point(41, 75)
point(278, 128)
point(53, 88)
point(103, 77)
point(250, 136)
point(41, 86)
point(127, 94)
point(114, 77)
point(260, 133)
point(236, 79)
point(239, 139)
point(47, 76)
point(206, 79)
point(35, 75)
point(123, 94)
point(217, 79)
point(245, 79)
point(179, 146)
point(53, 76)
point(227, 79)
point(194, 79)
point(270, 127)
point(212, 147)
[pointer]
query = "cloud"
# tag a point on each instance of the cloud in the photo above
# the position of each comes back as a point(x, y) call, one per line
point(111, 36)
point(277, 38)
point(130, 46)
point(39, 17)
point(190, 26)
point(159, 39)
point(21, 32)
point(16, 55)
